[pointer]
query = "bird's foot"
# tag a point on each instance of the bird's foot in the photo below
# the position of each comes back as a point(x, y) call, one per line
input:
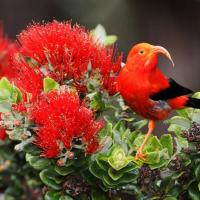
point(140, 155)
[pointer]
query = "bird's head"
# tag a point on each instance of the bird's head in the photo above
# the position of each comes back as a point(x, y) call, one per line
point(145, 56)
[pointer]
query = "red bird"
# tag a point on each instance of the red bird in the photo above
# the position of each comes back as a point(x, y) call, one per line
point(148, 91)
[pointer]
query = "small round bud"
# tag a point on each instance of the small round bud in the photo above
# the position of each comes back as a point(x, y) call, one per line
point(60, 162)
point(70, 155)
point(17, 122)
point(24, 136)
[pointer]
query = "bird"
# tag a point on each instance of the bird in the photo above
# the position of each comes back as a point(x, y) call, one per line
point(147, 91)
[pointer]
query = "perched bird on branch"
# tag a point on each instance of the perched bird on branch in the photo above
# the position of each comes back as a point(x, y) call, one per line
point(148, 91)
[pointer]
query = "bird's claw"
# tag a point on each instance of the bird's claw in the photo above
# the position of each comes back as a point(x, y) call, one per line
point(140, 155)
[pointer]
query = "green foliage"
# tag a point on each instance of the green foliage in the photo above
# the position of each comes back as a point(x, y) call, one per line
point(96, 101)
point(37, 162)
point(49, 84)
point(51, 178)
point(17, 178)
point(171, 168)
point(115, 169)
point(99, 33)
point(9, 94)
point(55, 195)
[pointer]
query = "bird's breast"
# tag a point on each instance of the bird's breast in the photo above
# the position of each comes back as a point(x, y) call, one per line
point(136, 90)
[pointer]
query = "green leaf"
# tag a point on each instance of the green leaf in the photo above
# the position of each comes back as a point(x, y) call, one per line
point(153, 144)
point(111, 39)
point(64, 171)
point(96, 171)
point(160, 164)
point(170, 198)
point(66, 197)
point(102, 164)
point(96, 101)
point(153, 157)
point(18, 95)
point(4, 94)
point(98, 195)
point(194, 192)
point(181, 143)
point(49, 84)
point(5, 84)
point(5, 106)
point(130, 167)
point(32, 149)
point(175, 190)
point(51, 179)
point(99, 33)
point(106, 143)
point(196, 95)
point(195, 115)
point(118, 159)
point(8, 92)
point(155, 198)
point(183, 112)
point(175, 128)
point(9, 197)
point(15, 134)
point(167, 142)
point(52, 195)
point(128, 177)
point(115, 175)
point(197, 172)
point(69, 163)
point(138, 141)
point(107, 130)
point(119, 127)
point(182, 122)
point(157, 159)
point(140, 124)
point(109, 181)
point(37, 162)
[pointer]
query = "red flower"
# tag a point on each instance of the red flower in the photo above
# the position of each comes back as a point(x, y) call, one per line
point(60, 118)
point(7, 49)
point(2, 132)
point(63, 52)
point(26, 77)
point(92, 146)
point(20, 107)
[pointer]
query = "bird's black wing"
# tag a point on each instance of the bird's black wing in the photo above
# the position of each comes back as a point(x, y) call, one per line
point(174, 90)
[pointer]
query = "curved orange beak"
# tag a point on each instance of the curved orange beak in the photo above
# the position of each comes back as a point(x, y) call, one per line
point(162, 50)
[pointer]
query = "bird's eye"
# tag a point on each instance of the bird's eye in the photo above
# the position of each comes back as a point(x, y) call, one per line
point(141, 52)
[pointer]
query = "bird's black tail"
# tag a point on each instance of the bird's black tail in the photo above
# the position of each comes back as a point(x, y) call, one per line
point(193, 103)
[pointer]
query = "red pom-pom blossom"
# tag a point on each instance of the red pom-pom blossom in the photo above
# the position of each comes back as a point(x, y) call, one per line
point(7, 49)
point(63, 52)
point(60, 118)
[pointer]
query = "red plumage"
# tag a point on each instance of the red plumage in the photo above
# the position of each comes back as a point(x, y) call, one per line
point(147, 90)
point(140, 78)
